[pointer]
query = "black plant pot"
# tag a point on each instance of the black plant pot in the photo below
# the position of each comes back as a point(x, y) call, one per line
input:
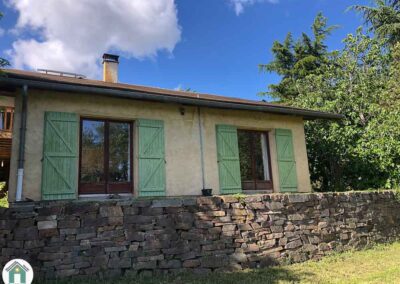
point(206, 191)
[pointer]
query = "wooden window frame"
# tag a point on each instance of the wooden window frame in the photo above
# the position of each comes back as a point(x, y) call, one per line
point(256, 184)
point(107, 187)
point(8, 121)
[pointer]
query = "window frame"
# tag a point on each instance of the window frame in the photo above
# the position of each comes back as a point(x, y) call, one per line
point(107, 187)
point(8, 120)
point(255, 183)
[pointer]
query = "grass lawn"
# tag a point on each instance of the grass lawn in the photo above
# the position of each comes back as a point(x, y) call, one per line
point(3, 200)
point(378, 265)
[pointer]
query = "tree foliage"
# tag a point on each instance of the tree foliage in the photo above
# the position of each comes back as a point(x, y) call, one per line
point(363, 150)
point(384, 19)
point(362, 82)
point(295, 60)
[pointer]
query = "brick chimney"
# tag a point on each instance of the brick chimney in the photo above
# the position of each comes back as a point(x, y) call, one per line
point(110, 68)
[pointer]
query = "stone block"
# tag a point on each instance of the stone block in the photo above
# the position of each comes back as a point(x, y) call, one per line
point(150, 258)
point(33, 244)
point(256, 206)
point(238, 257)
point(203, 224)
point(167, 203)
point(119, 262)
point(133, 235)
point(214, 261)
point(238, 212)
point(250, 248)
point(138, 219)
point(228, 227)
point(209, 200)
point(131, 210)
point(274, 206)
point(145, 265)
point(170, 264)
point(191, 263)
point(68, 224)
point(245, 227)
point(83, 264)
point(293, 244)
point(309, 248)
point(299, 198)
point(29, 233)
point(216, 213)
point(276, 229)
point(84, 236)
point(66, 273)
point(50, 256)
point(115, 249)
point(111, 211)
point(47, 233)
point(296, 217)
point(183, 221)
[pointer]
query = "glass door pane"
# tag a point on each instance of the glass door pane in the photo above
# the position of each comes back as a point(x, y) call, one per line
point(246, 159)
point(254, 160)
point(119, 152)
point(92, 176)
point(261, 157)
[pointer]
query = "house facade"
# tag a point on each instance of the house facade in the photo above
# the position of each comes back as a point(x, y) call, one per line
point(85, 138)
point(6, 127)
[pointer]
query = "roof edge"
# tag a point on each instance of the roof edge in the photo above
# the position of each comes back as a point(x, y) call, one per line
point(148, 96)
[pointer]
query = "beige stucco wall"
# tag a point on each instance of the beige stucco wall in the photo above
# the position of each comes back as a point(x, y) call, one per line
point(6, 101)
point(183, 167)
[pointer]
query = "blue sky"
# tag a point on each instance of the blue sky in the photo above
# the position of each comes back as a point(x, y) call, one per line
point(203, 45)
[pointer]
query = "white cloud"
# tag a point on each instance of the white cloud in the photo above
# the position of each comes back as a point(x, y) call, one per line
point(72, 35)
point(239, 5)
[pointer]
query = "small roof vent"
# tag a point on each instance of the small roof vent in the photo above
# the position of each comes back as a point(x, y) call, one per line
point(61, 73)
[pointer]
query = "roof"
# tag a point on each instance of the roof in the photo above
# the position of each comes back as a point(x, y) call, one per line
point(14, 264)
point(47, 81)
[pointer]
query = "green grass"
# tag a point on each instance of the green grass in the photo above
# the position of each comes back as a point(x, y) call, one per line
point(380, 264)
point(3, 200)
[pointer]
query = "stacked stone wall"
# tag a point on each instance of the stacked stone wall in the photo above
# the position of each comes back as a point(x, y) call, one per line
point(199, 234)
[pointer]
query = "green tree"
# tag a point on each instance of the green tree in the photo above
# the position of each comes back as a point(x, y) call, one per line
point(384, 18)
point(294, 60)
point(363, 150)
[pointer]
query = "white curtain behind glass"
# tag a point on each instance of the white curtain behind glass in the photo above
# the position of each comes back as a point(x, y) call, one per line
point(264, 147)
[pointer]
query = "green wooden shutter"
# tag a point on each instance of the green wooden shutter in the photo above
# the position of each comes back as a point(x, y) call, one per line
point(60, 156)
point(228, 160)
point(286, 160)
point(151, 157)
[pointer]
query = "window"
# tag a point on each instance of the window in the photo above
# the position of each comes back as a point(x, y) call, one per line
point(105, 156)
point(6, 118)
point(255, 165)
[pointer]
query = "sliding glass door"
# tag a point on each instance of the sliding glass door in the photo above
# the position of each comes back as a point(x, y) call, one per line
point(255, 164)
point(105, 156)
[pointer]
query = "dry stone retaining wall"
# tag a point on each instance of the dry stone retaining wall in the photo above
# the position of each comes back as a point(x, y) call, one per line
point(199, 235)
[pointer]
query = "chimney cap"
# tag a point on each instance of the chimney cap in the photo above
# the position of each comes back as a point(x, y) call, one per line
point(107, 57)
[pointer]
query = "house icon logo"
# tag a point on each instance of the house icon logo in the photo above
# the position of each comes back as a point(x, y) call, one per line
point(17, 271)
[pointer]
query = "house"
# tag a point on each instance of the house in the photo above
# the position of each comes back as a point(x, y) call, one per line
point(16, 273)
point(80, 138)
point(6, 126)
